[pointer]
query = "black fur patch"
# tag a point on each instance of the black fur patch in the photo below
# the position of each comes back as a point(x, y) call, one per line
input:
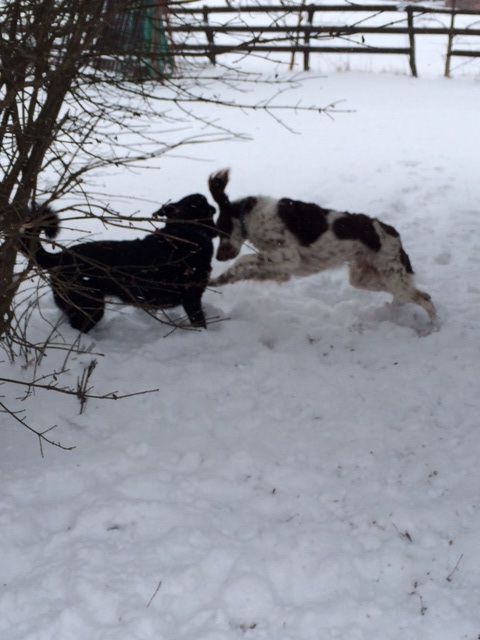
point(357, 226)
point(405, 260)
point(243, 207)
point(389, 229)
point(307, 221)
point(224, 223)
point(238, 210)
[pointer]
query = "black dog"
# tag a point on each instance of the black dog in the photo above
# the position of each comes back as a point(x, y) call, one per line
point(167, 268)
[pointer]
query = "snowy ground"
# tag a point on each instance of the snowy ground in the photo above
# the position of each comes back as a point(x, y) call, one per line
point(309, 468)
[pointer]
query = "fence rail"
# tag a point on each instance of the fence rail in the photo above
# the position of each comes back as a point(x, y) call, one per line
point(180, 9)
point(303, 37)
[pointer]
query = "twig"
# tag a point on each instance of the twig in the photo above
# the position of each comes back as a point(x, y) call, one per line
point(450, 575)
point(82, 384)
point(403, 534)
point(40, 434)
point(111, 395)
point(154, 594)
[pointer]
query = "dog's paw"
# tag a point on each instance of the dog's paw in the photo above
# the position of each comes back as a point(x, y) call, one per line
point(198, 324)
point(432, 327)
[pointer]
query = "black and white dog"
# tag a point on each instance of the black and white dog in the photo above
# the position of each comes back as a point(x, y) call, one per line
point(296, 238)
point(166, 268)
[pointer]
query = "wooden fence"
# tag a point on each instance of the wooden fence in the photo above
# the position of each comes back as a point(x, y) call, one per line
point(303, 36)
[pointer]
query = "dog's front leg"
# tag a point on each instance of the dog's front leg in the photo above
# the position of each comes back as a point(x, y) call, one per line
point(253, 267)
point(192, 303)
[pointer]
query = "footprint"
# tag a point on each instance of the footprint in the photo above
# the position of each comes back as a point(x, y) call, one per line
point(445, 257)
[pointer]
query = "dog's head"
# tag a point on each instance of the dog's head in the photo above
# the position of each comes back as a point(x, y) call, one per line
point(231, 221)
point(193, 209)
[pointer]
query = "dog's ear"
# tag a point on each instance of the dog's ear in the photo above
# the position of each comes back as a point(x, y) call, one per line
point(168, 211)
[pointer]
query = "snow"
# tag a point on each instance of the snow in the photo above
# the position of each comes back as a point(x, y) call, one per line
point(308, 468)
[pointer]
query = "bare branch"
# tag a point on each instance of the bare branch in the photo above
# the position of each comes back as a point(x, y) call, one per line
point(42, 438)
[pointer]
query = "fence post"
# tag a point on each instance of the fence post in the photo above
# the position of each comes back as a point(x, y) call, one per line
point(451, 34)
point(209, 34)
point(411, 38)
point(306, 55)
point(297, 36)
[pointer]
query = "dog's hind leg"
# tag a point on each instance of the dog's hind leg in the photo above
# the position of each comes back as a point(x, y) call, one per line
point(400, 284)
point(83, 310)
point(425, 301)
point(395, 280)
point(364, 276)
point(85, 319)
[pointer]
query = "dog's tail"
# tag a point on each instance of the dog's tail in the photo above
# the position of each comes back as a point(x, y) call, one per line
point(217, 183)
point(40, 218)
